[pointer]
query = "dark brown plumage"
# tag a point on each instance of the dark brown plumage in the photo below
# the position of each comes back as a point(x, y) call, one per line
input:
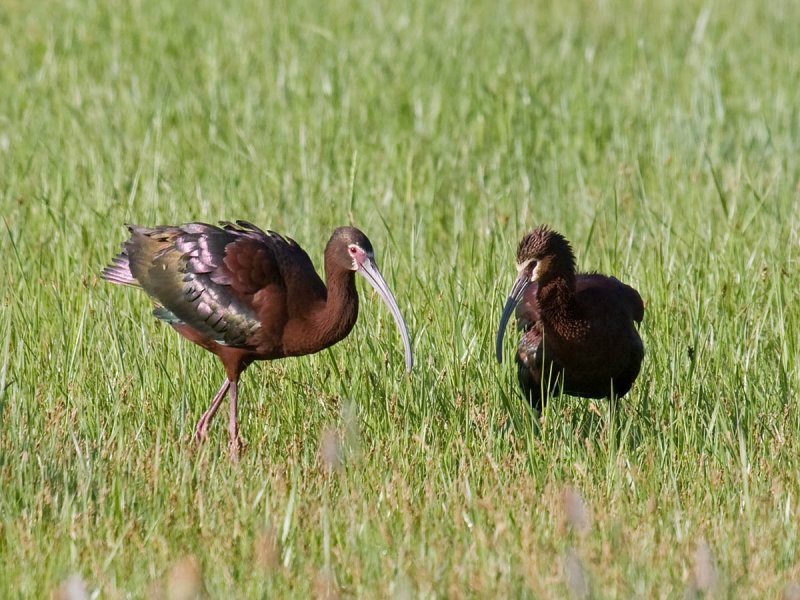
point(579, 331)
point(245, 294)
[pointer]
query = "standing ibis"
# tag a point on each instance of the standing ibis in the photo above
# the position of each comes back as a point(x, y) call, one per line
point(579, 333)
point(245, 294)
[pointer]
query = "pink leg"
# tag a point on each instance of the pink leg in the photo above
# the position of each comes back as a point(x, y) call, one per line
point(202, 425)
point(235, 442)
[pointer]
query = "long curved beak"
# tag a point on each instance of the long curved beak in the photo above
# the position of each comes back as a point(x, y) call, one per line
point(371, 273)
point(517, 290)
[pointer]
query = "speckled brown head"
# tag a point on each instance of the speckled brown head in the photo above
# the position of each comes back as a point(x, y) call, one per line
point(542, 256)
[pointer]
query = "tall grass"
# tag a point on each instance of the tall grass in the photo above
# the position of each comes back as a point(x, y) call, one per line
point(661, 138)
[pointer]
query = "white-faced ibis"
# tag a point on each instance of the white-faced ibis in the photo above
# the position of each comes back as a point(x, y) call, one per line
point(578, 330)
point(246, 295)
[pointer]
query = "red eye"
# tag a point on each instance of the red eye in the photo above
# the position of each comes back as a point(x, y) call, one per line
point(352, 250)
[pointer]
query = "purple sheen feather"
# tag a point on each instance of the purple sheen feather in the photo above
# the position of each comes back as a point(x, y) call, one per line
point(199, 228)
point(203, 310)
point(186, 244)
point(221, 277)
point(199, 265)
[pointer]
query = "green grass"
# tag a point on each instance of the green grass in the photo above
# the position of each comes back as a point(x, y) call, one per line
point(661, 138)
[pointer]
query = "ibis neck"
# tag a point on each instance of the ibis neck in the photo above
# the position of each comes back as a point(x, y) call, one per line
point(556, 298)
point(340, 311)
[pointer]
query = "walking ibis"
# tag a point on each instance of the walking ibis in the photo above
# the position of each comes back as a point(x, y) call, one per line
point(245, 294)
point(578, 331)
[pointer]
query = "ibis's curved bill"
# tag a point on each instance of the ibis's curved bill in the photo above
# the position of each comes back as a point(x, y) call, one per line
point(370, 272)
point(517, 290)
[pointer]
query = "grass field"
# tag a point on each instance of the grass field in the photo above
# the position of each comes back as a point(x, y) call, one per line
point(661, 137)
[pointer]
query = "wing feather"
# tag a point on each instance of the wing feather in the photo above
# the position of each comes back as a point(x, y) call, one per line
point(207, 276)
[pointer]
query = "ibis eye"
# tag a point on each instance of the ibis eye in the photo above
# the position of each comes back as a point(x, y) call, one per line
point(352, 249)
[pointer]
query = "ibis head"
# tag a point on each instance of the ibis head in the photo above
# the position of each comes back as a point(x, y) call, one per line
point(352, 250)
point(541, 255)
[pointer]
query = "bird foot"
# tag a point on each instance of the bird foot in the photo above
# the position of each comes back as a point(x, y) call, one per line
point(236, 446)
point(201, 432)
